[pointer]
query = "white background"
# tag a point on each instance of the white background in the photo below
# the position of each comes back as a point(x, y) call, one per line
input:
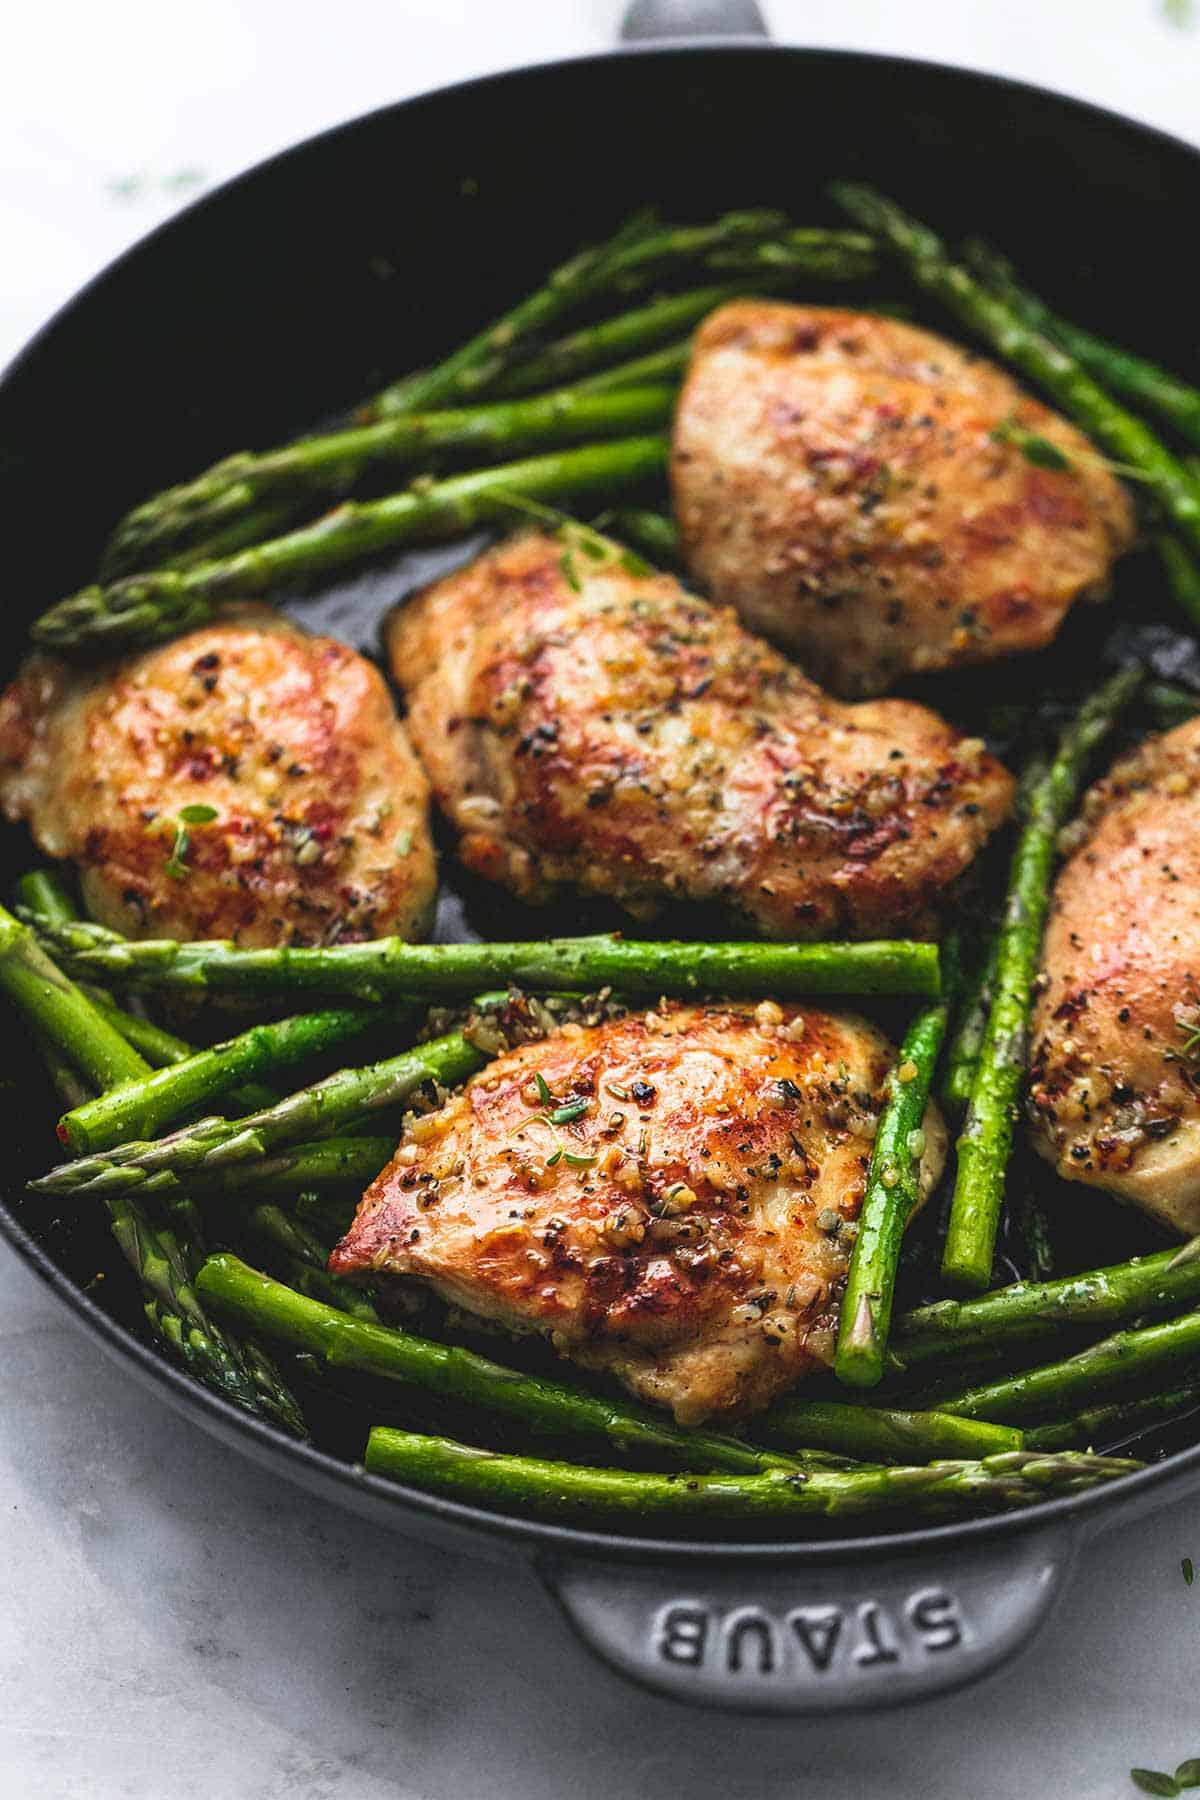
point(173, 1622)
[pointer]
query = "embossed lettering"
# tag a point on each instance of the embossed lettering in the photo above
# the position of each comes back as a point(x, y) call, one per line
point(750, 1635)
point(683, 1633)
point(936, 1616)
point(877, 1629)
point(817, 1629)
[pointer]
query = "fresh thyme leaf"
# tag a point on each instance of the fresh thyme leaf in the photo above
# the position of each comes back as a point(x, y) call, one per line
point(196, 814)
point(556, 1157)
point(1187, 1775)
point(543, 1088)
point(566, 1115)
point(1153, 1781)
point(578, 1162)
point(1189, 1571)
point(634, 565)
point(1033, 447)
point(570, 573)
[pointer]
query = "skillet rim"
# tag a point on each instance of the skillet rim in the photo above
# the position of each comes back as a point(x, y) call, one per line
point(319, 1470)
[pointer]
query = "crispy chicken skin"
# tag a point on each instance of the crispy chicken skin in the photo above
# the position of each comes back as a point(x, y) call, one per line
point(588, 726)
point(697, 1246)
point(836, 481)
point(321, 829)
point(1114, 1093)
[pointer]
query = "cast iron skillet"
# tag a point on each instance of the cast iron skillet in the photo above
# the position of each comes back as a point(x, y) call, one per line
point(372, 248)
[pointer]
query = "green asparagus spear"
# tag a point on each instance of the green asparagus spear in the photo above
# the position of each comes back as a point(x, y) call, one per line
point(1144, 382)
point(880, 1433)
point(892, 1192)
point(986, 1140)
point(657, 369)
point(650, 532)
point(302, 1258)
point(214, 1145)
point(319, 470)
point(57, 1008)
point(146, 609)
point(334, 1162)
point(1028, 1311)
point(258, 1304)
point(67, 1022)
point(1182, 573)
point(43, 892)
point(387, 968)
point(1084, 1379)
point(1116, 1421)
point(142, 1108)
point(629, 334)
point(962, 1053)
point(639, 253)
point(528, 1484)
point(1038, 357)
point(1171, 705)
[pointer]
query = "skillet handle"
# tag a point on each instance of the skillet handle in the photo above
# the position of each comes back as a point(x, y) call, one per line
point(826, 1637)
point(646, 19)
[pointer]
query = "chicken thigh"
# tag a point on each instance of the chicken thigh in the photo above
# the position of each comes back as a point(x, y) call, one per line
point(837, 481)
point(589, 725)
point(1114, 1093)
point(687, 1221)
point(246, 780)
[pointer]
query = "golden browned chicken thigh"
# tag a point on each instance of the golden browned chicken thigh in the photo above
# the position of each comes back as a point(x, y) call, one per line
point(304, 813)
point(589, 725)
point(837, 481)
point(1115, 1071)
point(685, 1224)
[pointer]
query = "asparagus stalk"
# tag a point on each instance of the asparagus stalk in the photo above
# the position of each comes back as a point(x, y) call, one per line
point(881, 1434)
point(962, 1053)
point(145, 609)
point(1116, 1421)
point(43, 892)
point(652, 533)
point(258, 1304)
point(1028, 1311)
point(142, 1108)
point(334, 1162)
point(657, 369)
point(58, 1010)
point(65, 1019)
point(1138, 379)
point(303, 1257)
point(212, 1146)
point(386, 968)
point(1171, 705)
point(1038, 357)
point(1084, 1379)
point(528, 1484)
point(325, 468)
point(892, 1192)
point(1182, 573)
point(986, 1140)
point(629, 334)
point(639, 253)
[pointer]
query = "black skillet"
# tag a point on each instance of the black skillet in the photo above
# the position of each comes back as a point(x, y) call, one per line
point(373, 248)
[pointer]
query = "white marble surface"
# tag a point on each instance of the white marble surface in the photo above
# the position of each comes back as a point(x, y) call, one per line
point(171, 1619)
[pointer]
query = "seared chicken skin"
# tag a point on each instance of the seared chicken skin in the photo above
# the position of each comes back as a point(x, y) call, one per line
point(1115, 1074)
point(588, 726)
point(686, 1226)
point(836, 481)
point(308, 812)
